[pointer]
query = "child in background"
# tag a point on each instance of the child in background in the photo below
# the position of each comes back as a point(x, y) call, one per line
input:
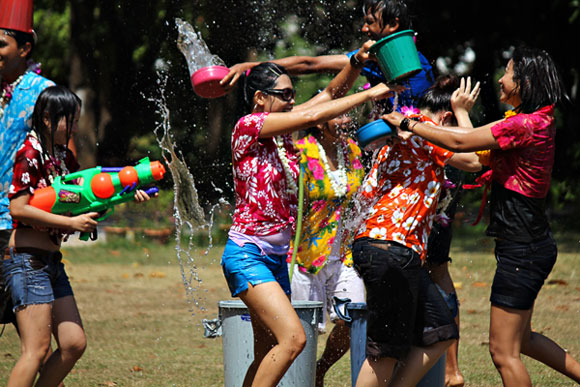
point(36, 278)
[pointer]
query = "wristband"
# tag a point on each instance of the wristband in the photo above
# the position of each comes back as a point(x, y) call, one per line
point(354, 62)
point(413, 127)
point(405, 124)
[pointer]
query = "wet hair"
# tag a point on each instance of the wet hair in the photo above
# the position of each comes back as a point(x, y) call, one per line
point(437, 98)
point(390, 10)
point(54, 103)
point(537, 78)
point(21, 39)
point(262, 77)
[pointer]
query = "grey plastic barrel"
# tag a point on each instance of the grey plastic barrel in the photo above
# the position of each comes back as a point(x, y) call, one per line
point(435, 377)
point(355, 315)
point(238, 345)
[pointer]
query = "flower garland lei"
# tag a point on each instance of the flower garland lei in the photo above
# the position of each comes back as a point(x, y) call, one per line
point(339, 180)
point(292, 187)
point(8, 88)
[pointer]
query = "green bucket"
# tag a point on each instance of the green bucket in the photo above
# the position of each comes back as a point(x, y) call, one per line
point(397, 55)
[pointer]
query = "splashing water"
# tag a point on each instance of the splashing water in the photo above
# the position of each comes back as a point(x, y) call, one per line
point(193, 47)
point(187, 211)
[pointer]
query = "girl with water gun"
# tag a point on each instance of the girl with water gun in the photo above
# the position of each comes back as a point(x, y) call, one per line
point(43, 300)
point(521, 159)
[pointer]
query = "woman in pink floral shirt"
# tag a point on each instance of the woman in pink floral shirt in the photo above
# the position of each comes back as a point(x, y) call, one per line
point(265, 181)
point(522, 156)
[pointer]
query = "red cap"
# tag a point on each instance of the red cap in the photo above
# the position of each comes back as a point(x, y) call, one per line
point(16, 15)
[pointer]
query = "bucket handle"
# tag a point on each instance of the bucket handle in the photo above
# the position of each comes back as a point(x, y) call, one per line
point(340, 307)
point(212, 328)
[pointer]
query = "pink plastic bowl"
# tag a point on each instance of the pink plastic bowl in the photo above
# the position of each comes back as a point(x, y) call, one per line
point(206, 81)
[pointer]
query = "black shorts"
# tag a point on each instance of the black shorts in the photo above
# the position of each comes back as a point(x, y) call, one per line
point(404, 306)
point(439, 244)
point(521, 271)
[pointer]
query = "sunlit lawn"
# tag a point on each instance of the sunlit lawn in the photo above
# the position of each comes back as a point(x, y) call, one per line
point(143, 332)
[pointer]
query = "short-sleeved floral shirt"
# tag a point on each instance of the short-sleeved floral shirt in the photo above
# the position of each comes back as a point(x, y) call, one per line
point(524, 162)
point(32, 171)
point(264, 205)
point(401, 193)
point(320, 222)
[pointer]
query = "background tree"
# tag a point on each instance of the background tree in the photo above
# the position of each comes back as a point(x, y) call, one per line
point(110, 54)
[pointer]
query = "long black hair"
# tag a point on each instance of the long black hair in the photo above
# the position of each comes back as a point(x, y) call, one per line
point(262, 77)
point(54, 103)
point(438, 97)
point(390, 10)
point(537, 78)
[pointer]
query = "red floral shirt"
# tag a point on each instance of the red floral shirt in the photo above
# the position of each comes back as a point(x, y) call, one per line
point(264, 205)
point(401, 193)
point(524, 162)
point(32, 171)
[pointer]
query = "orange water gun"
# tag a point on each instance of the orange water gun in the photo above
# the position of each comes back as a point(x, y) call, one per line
point(100, 190)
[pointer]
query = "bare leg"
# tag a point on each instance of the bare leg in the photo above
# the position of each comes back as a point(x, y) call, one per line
point(453, 376)
point(272, 307)
point(264, 341)
point(543, 349)
point(376, 373)
point(34, 329)
point(337, 345)
point(417, 363)
point(507, 327)
point(70, 337)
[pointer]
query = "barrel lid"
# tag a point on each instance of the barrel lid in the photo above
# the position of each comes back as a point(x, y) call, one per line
point(237, 304)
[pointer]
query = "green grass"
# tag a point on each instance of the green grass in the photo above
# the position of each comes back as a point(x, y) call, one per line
point(142, 331)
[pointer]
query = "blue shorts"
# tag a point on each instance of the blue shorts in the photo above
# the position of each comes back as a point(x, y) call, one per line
point(35, 276)
point(247, 264)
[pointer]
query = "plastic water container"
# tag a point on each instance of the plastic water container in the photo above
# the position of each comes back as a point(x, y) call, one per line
point(355, 316)
point(397, 55)
point(375, 134)
point(435, 377)
point(238, 343)
point(206, 81)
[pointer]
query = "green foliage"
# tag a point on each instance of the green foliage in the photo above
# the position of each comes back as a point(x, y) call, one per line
point(155, 213)
point(53, 46)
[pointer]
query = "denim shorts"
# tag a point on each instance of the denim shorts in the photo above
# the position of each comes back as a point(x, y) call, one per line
point(35, 276)
point(247, 264)
point(404, 306)
point(521, 271)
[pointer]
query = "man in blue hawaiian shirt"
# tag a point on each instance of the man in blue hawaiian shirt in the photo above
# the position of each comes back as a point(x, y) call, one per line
point(20, 87)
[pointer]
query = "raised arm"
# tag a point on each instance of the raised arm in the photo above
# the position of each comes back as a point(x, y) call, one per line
point(462, 101)
point(295, 65)
point(344, 80)
point(287, 122)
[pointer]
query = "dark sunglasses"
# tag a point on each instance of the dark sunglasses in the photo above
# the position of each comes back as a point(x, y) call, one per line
point(286, 94)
